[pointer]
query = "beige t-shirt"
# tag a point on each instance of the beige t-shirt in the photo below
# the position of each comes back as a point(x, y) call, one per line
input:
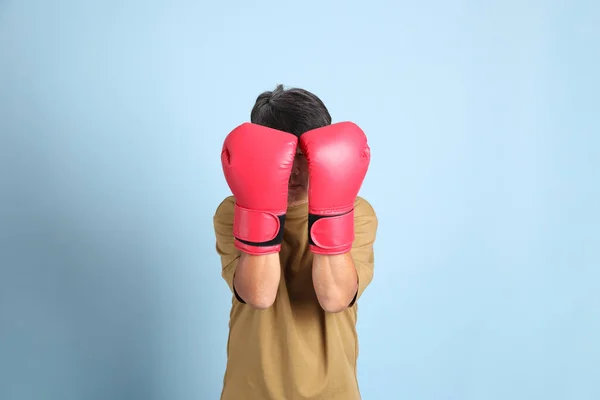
point(293, 350)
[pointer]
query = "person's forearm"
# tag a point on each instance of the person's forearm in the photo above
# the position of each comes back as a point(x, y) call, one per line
point(335, 280)
point(256, 279)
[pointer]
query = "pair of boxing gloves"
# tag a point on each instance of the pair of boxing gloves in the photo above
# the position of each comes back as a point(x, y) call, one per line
point(257, 162)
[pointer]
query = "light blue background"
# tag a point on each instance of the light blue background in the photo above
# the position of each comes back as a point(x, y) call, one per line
point(483, 122)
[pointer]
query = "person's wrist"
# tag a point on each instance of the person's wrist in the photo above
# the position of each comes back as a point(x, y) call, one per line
point(258, 232)
point(331, 234)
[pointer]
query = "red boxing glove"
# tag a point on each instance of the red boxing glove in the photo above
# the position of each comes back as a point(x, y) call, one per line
point(257, 163)
point(338, 158)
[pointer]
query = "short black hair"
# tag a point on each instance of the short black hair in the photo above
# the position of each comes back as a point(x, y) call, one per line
point(291, 110)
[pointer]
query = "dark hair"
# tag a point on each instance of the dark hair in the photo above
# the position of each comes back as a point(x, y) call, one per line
point(291, 110)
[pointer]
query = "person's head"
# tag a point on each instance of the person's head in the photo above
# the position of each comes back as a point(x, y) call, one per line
point(294, 111)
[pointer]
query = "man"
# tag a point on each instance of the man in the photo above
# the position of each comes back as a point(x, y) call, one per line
point(296, 246)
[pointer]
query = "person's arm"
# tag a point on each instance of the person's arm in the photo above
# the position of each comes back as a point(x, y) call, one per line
point(335, 280)
point(256, 279)
point(339, 280)
point(338, 158)
point(253, 280)
point(257, 162)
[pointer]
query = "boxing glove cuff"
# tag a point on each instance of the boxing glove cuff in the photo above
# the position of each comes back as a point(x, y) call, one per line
point(331, 234)
point(257, 232)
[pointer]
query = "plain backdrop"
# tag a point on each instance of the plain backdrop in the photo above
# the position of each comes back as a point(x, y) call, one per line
point(483, 119)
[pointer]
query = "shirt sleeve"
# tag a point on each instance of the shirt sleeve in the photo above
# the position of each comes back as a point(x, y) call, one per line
point(225, 242)
point(365, 230)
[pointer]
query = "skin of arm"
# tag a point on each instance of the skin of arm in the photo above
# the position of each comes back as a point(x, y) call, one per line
point(335, 280)
point(257, 278)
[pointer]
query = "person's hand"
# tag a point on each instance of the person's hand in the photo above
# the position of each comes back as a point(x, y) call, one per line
point(338, 158)
point(257, 163)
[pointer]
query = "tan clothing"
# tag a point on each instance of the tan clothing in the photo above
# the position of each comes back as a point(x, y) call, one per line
point(293, 350)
